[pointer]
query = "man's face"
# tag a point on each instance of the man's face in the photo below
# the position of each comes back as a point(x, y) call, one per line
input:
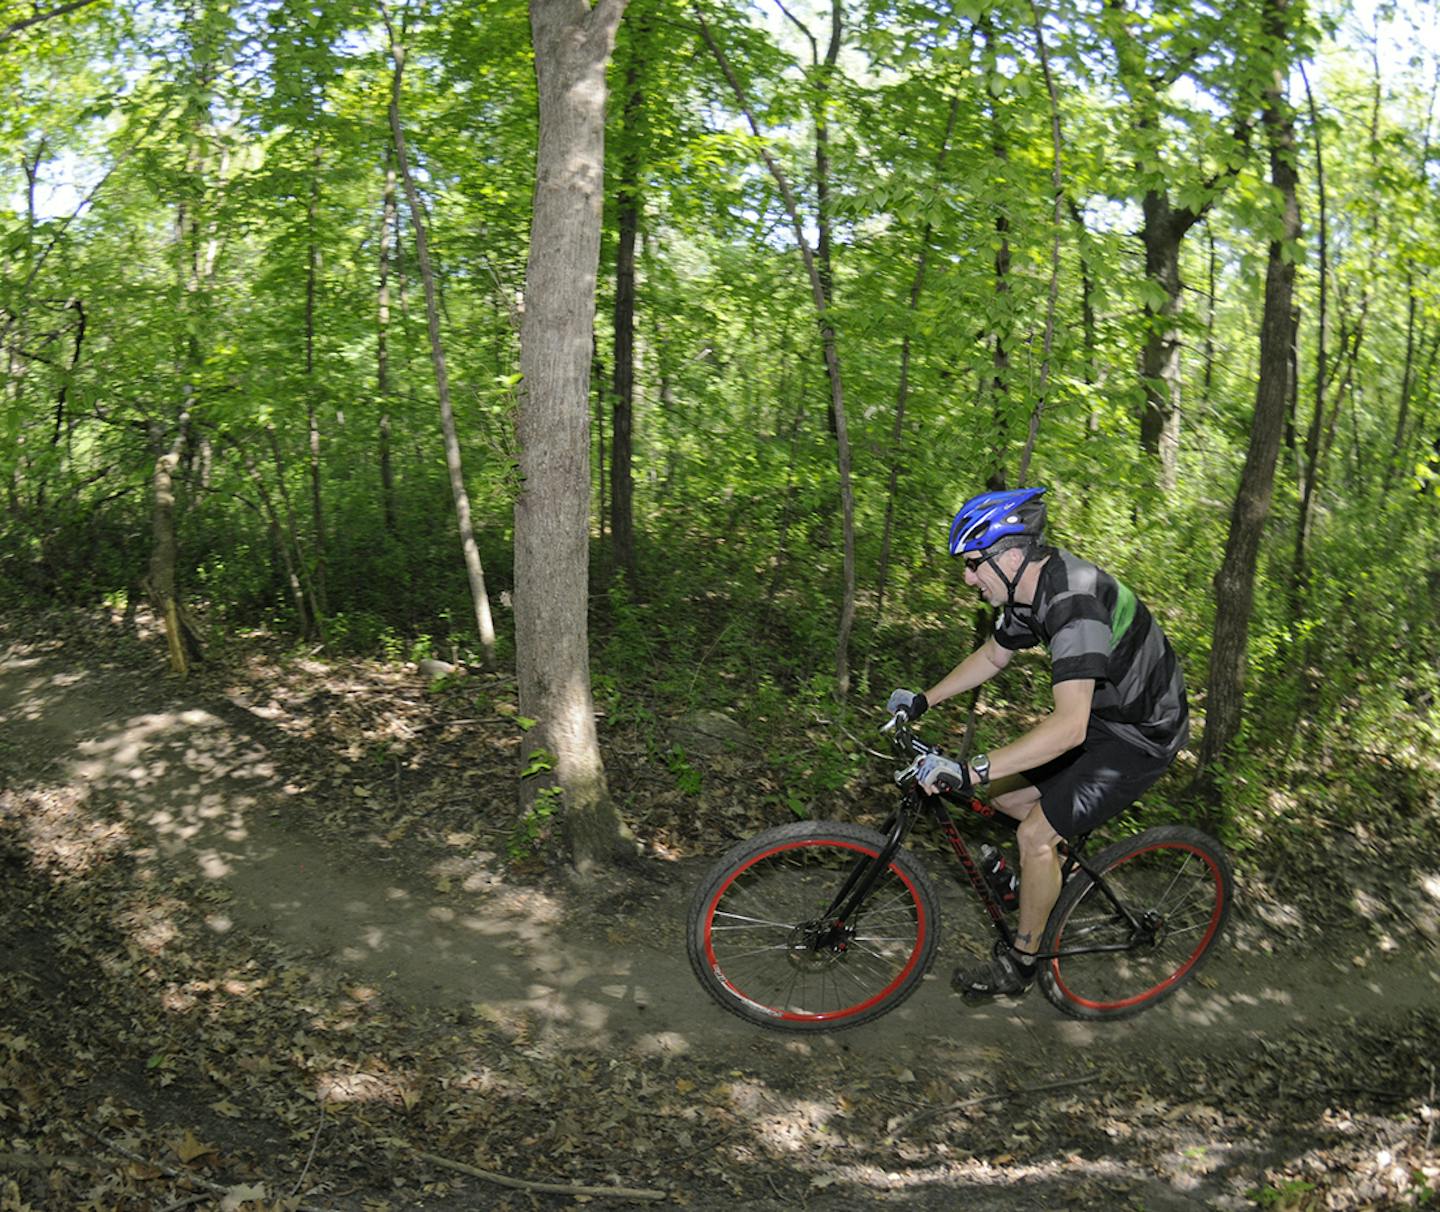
point(980, 574)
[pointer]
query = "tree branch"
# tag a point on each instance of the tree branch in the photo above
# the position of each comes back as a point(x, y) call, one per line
point(37, 18)
point(524, 1184)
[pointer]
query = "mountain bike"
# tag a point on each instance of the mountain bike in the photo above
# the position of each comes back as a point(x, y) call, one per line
point(820, 925)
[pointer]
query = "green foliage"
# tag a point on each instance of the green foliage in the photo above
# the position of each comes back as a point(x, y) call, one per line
point(1292, 1195)
point(688, 780)
point(536, 825)
point(225, 250)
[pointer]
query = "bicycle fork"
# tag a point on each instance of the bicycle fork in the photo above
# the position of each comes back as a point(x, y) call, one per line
point(834, 928)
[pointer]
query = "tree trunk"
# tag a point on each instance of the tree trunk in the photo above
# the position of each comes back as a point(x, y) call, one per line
point(602, 484)
point(1161, 233)
point(1207, 382)
point(312, 622)
point(1235, 581)
point(1309, 463)
point(995, 480)
point(1407, 381)
point(1057, 219)
point(162, 580)
point(484, 625)
point(573, 42)
point(1088, 325)
point(382, 347)
point(281, 539)
point(312, 412)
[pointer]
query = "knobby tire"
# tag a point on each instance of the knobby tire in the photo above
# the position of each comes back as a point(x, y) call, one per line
point(1178, 882)
point(758, 946)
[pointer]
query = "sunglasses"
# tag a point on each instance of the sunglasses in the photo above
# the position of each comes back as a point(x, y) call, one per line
point(972, 563)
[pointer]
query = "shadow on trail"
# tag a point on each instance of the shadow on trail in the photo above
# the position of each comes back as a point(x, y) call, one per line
point(182, 787)
point(177, 784)
point(193, 795)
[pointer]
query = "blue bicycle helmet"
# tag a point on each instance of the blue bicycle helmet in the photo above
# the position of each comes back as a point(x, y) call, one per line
point(986, 519)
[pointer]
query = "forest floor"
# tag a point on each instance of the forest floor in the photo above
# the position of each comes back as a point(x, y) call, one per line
point(264, 945)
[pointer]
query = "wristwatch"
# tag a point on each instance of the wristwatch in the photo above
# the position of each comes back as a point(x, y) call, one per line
point(980, 764)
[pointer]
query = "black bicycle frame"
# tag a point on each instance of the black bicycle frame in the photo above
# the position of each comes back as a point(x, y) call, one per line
point(867, 870)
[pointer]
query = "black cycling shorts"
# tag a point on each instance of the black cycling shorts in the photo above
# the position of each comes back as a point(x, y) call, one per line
point(1100, 777)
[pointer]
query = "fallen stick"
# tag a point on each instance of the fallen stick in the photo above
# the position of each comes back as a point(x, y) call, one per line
point(525, 1184)
point(188, 1201)
point(930, 1112)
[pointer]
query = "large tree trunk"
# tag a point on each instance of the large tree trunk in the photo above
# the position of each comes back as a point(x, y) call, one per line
point(1235, 581)
point(573, 42)
point(484, 624)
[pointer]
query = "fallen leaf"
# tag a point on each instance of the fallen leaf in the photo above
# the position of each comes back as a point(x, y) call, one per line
point(240, 1195)
point(188, 1148)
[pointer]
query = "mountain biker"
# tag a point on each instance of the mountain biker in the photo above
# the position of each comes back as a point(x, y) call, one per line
point(1120, 714)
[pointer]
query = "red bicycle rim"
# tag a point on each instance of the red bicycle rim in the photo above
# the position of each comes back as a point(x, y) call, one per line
point(922, 929)
point(1175, 977)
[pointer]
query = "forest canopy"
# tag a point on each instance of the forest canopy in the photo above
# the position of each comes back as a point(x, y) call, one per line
point(1178, 262)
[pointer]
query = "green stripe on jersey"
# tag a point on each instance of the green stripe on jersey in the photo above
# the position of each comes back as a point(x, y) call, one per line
point(1123, 614)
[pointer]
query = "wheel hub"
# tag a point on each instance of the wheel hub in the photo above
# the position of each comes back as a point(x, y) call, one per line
point(818, 944)
point(1152, 929)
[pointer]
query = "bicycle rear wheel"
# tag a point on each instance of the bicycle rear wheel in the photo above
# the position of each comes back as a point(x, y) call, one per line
point(1176, 885)
point(760, 947)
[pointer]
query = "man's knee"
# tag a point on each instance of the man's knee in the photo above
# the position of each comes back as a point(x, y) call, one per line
point(1017, 801)
point(1036, 836)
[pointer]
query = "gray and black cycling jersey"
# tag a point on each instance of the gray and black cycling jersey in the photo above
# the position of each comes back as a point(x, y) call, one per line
point(1095, 627)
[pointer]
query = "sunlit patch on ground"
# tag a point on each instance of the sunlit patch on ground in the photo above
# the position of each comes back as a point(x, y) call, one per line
point(387, 972)
point(61, 828)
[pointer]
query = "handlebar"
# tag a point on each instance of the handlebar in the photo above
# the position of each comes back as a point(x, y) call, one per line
point(908, 745)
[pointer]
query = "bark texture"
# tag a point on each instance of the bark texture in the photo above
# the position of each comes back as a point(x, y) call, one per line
point(1235, 582)
point(573, 43)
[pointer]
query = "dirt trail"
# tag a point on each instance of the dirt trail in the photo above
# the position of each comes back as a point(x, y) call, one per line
point(203, 795)
point(204, 805)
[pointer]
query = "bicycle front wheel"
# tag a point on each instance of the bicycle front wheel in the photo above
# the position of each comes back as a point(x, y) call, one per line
point(762, 946)
point(1172, 888)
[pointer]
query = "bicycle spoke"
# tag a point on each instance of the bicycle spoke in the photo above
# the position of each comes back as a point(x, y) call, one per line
point(748, 923)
